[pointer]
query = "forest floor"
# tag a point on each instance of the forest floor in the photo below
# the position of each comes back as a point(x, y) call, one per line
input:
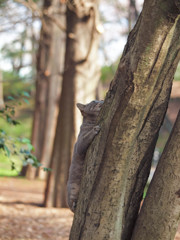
point(22, 218)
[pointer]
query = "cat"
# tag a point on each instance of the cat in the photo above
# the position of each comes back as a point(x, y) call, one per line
point(88, 131)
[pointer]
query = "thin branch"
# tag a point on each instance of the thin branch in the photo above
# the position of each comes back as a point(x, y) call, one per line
point(32, 6)
point(38, 12)
point(10, 25)
point(54, 20)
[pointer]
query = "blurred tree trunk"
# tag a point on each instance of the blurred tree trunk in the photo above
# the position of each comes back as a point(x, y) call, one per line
point(57, 66)
point(80, 79)
point(118, 161)
point(133, 14)
point(49, 68)
point(34, 43)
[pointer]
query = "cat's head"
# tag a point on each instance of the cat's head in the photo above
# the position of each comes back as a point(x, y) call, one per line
point(91, 110)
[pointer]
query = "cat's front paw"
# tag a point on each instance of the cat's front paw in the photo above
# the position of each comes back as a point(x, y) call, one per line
point(97, 129)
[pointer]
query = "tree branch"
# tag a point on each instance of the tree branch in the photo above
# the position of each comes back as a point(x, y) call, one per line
point(39, 13)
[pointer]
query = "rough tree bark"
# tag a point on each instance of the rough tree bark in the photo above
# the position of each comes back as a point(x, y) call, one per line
point(49, 67)
point(160, 212)
point(118, 161)
point(79, 83)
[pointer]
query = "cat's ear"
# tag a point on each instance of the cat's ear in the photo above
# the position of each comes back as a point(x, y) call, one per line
point(80, 106)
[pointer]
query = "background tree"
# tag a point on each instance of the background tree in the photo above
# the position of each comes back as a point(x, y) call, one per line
point(49, 68)
point(118, 161)
point(133, 14)
point(80, 78)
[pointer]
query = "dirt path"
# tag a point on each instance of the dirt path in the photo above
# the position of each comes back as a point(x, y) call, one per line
point(22, 219)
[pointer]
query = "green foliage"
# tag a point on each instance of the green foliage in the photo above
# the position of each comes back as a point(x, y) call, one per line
point(20, 148)
point(14, 140)
point(107, 72)
point(47, 169)
point(11, 76)
point(15, 85)
point(8, 51)
point(16, 49)
point(8, 112)
point(17, 132)
point(14, 146)
point(9, 166)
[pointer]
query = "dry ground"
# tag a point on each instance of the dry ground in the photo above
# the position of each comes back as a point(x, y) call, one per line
point(22, 219)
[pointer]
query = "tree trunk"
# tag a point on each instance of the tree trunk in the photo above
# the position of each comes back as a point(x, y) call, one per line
point(159, 216)
point(79, 84)
point(49, 67)
point(133, 14)
point(118, 161)
point(56, 64)
point(34, 43)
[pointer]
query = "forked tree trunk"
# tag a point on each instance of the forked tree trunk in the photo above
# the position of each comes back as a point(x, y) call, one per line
point(49, 67)
point(79, 83)
point(118, 161)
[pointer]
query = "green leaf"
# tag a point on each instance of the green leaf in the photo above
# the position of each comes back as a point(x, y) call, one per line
point(2, 141)
point(25, 152)
point(1, 146)
point(7, 107)
point(2, 132)
point(30, 147)
point(38, 164)
point(8, 118)
point(26, 94)
point(25, 100)
point(13, 166)
point(12, 112)
point(14, 122)
point(25, 140)
point(47, 169)
point(15, 152)
point(10, 98)
point(8, 152)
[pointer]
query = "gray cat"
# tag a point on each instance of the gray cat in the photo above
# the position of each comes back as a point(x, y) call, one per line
point(88, 131)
